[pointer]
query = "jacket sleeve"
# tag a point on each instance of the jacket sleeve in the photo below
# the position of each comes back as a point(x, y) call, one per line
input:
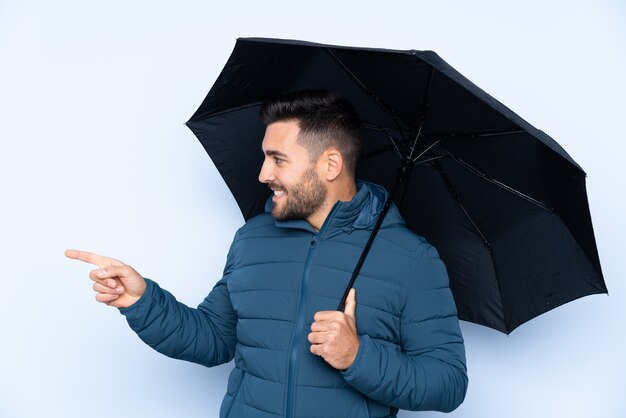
point(204, 335)
point(428, 372)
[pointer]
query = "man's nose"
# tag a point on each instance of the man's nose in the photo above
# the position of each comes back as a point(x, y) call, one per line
point(265, 175)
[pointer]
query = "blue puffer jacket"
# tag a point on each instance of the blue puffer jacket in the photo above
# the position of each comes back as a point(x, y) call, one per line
point(277, 275)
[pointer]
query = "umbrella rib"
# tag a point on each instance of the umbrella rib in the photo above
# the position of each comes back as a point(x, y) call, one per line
point(377, 127)
point(450, 135)
point(498, 183)
point(378, 151)
point(519, 131)
point(392, 141)
point(225, 111)
point(457, 198)
point(368, 91)
point(419, 132)
point(475, 134)
point(421, 162)
point(425, 151)
point(425, 105)
point(487, 244)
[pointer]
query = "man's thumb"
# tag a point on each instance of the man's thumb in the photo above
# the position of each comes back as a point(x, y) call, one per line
point(350, 303)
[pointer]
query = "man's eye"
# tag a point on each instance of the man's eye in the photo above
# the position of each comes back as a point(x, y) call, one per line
point(279, 160)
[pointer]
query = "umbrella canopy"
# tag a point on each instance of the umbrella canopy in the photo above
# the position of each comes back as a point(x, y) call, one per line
point(503, 203)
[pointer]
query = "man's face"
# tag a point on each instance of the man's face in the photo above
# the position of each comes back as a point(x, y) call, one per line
point(288, 171)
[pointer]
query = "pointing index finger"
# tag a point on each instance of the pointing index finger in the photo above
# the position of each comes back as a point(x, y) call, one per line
point(92, 258)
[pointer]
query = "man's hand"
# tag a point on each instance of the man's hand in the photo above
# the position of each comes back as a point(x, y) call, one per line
point(116, 284)
point(333, 335)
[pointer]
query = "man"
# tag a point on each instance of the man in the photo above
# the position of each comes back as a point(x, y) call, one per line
point(400, 346)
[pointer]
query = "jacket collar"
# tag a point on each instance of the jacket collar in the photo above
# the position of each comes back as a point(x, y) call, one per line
point(359, 213)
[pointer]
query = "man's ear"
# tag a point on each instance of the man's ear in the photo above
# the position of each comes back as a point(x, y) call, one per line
point(333, 163)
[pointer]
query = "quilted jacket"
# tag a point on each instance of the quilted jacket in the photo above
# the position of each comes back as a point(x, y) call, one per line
point(277, 275)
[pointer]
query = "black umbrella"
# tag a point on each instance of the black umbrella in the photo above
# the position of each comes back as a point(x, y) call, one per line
point(503, 203)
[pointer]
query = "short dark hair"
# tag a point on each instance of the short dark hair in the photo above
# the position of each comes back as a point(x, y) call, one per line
point(326, 119)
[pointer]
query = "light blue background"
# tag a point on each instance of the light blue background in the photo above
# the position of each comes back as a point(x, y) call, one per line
point(94, 155)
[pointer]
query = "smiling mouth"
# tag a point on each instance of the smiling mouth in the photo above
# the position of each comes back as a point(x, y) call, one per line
point(277, 195)
point(277, 192)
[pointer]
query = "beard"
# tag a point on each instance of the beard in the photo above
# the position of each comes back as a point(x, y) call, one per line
point(303, 199)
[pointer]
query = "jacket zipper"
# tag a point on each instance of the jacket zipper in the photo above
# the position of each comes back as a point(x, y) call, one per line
point(295, 342)
point(298, 331)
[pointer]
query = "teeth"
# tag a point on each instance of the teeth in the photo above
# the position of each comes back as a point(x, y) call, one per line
point(278, 193)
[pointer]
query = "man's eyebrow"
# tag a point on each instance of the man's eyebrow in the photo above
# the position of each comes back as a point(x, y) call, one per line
point(271, 152)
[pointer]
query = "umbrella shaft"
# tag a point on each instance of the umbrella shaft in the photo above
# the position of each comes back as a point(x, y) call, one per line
point(405, 170)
